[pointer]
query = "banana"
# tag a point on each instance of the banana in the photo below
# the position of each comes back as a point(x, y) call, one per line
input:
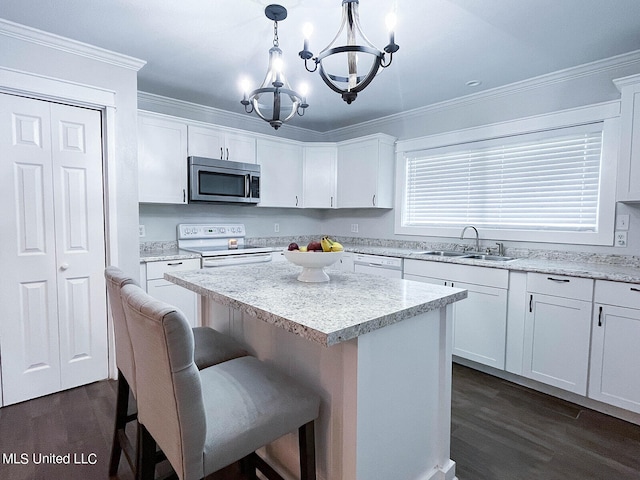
point(336, 247)
point(326, 243)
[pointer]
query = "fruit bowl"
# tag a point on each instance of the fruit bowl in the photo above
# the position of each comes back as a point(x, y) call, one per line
point(312, 264)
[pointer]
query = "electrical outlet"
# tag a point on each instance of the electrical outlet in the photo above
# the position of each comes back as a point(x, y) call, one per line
point(354, 228)
point(622, 222)
point(141, 231)
point(620, 239)
point(276, 227)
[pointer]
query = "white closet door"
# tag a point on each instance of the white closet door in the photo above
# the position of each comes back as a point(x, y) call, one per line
point(29, 323)
point(45, 196)
point(78, 203)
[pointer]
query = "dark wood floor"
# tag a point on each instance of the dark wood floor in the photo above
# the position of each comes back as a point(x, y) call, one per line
point(500, 431)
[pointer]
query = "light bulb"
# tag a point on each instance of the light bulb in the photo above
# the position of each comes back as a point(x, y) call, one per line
point(391, 20)
point(245, 85)
point(304, 89)
point(277, 64)
point(307, 30)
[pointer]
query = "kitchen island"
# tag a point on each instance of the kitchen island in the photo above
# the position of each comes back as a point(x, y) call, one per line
point(377, 351)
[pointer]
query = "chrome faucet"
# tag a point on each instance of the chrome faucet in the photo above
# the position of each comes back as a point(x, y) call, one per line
point(477, 236)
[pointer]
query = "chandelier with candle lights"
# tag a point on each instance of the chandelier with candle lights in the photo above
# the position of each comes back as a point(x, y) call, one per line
point(339, 64)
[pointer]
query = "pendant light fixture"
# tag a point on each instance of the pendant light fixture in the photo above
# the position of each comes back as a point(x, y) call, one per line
point(339, 65)
point(274, 101)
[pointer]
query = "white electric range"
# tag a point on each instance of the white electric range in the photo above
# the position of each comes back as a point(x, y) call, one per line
point(220, 244)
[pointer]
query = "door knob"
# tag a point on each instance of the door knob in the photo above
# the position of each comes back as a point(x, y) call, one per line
point(64, 266)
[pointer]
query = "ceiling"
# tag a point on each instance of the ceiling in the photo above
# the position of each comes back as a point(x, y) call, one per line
point(197, 50)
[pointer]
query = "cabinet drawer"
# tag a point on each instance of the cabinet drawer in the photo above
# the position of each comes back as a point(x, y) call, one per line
point(560, 286)
point(158, 269)
point(617, 293)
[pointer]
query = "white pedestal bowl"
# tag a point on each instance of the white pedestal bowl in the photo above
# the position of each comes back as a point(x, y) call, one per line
point(312, 264)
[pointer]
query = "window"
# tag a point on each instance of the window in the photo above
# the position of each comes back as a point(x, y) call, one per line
point(550, 185)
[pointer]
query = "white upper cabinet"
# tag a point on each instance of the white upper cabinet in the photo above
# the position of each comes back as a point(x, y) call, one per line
point(162, 159)
point(280, 173)
point(365, 172)
point(211, 142)
point(629, 166)
point(319, 175)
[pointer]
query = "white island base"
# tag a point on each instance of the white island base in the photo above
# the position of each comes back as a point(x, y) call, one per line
point(386, 395)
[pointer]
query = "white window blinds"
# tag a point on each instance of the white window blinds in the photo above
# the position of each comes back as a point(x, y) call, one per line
point(543, 181)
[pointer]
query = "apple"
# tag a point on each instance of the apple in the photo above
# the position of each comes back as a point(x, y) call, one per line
point(293, 246)
point(314, 246)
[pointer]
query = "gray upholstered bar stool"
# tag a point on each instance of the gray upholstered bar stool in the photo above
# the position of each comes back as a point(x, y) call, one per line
point(211, 347)
point(208, 419)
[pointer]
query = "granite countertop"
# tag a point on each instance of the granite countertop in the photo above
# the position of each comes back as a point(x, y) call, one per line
point(575, 265)
point(597, 267)
point(164, 254)
point(327, 313)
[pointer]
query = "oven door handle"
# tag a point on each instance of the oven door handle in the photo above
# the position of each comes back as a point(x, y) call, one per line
point(223, 261)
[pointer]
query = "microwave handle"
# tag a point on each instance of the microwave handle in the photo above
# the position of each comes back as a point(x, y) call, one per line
point(247, 185)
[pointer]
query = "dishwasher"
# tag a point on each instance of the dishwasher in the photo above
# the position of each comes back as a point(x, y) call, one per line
point(390, 267)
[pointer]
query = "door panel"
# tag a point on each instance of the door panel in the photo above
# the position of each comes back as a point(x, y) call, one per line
point(77, 175)
point(29, 324)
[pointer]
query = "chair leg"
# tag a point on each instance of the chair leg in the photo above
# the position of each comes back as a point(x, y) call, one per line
point(146, 464)
point(122, 407)
point(307, 443)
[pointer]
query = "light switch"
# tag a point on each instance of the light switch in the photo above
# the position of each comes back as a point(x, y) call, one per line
point(622, 222)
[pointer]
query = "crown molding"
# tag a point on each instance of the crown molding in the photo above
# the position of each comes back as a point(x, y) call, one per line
point(39, 37)
point(626, 81)
point(617, 62)
point(222, 117)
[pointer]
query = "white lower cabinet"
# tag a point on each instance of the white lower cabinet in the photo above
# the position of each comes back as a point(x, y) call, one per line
point(557, 331)
point(479, 321)
point(185, 300)
point(615, 357)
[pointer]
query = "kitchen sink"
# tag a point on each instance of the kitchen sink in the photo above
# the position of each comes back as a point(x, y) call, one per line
point(493, 258)
point(470, 256)
point(443, 253)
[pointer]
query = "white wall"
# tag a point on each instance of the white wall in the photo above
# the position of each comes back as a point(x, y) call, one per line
point(32, 52)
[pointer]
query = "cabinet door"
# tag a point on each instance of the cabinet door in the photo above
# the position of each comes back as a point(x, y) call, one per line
point(280, 174)
point(206, 142)
point(629, 167)
point(479, 321)
point(615, 357)
point(480, 325)
point(162, 160)
point(319, 176)
point(358, 174)
point(556, 345)
point(240, 148)
point(185, 300)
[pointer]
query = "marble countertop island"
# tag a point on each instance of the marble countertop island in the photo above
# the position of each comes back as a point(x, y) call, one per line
point(377, 350)
point(327, 313)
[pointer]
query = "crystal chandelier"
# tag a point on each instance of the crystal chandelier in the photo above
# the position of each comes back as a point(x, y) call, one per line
point(339, 73)
point(274, 100)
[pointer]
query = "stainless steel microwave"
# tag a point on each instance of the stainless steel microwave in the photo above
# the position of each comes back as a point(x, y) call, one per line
point(213, 180)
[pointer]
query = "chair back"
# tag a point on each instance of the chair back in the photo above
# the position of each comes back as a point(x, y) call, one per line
point(116, 279)
point(170, 403)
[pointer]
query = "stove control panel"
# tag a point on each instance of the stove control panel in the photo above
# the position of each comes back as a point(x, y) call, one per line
point(194, 231)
